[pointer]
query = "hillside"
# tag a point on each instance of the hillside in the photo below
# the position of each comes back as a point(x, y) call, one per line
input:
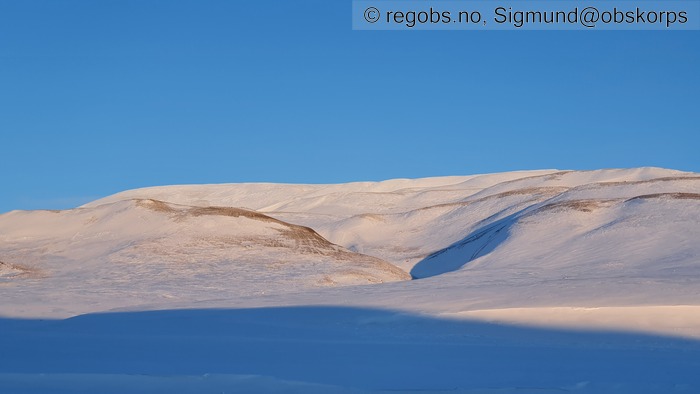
point(522, 282)
point(527, 239)
point(139, 251)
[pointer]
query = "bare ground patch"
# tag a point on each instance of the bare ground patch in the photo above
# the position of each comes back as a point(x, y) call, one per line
point(230, 212)
point(552, 176)
point(527, 191)
point(589, 205)
point(183, 211)
point(551, 191)
point(663, 179)
point(11, 271)
point(675, 196)
point(155, 205)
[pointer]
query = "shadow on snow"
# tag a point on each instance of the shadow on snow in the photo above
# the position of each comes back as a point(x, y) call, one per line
point(346, 347)
point(479, 243)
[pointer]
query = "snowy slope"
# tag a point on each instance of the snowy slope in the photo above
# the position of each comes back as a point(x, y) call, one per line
point(531, 281)
point(589, 232)
point(136, 251)
point(520, 239)
point(537, 229)
point(403, 221)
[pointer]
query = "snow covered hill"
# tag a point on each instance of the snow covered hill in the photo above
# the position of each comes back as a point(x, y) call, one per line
point(472, 238)
point(404, 221)
point(594, 274)
point(144, 250)
point(597, 230)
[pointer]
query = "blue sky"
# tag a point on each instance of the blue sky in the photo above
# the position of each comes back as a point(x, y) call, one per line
point(102, 96)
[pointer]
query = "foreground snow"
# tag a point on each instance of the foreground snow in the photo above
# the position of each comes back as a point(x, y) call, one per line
point(533, 281)
point(331, 349)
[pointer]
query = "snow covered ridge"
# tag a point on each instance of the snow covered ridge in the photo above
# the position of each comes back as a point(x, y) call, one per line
point(146, 250)
point(532, 281)
point(527, 239)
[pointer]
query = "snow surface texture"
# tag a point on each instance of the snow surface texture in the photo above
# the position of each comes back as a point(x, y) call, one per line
point(531, 281)
point(146, 250)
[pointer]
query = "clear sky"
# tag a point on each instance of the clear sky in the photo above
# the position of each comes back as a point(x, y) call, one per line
point(102, 96)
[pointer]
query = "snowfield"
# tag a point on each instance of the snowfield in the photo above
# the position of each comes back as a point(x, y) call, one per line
point(529, 281)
